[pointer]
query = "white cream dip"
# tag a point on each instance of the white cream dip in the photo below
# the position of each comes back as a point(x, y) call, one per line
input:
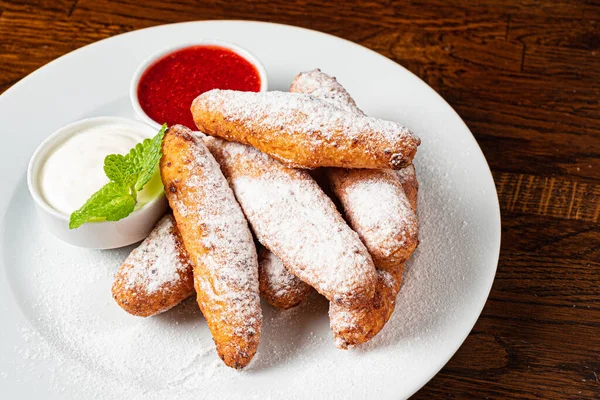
point(75, 169)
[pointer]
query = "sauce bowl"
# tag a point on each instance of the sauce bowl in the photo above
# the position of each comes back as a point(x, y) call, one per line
point(135, 81)
point(96, 235)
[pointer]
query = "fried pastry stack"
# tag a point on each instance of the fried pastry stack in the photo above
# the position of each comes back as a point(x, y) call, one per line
point(251, 173)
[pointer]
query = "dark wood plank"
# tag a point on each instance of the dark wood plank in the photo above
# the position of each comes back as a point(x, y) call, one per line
point(521, 119)
point(46, 6)
point(535, 363)
point(548, 196)
point(563, 63)
point(557, 290)
point(542, 151)
point(551, 237)
point(387, 12)
point(557, 32)
point(23, 49)
point(350, 30)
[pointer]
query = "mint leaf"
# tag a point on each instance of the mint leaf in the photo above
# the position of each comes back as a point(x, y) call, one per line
point(150, 158)
point(128, 174)
point(136, 155)
point(115, 167)
point(112, 202)
point(118, 169)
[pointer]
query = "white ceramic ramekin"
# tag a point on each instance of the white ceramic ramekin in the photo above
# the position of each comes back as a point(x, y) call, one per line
point(133, 87)
point(96, 235)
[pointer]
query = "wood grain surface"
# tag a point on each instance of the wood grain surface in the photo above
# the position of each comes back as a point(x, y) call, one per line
point(525, 77)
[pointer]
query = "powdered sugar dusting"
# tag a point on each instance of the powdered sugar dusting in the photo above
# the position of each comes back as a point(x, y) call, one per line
point(374, 202)
point(326, 88)
point(406, 174)
point(382, 223)
point(278, 285)
point(388, 279)
point(80, 344)
point(278, 276)
point(64, 292)
point(296, 112)
point(315, 125)
point(293, 218)
point(377, 209)
point(408, 179)
point(156, 264)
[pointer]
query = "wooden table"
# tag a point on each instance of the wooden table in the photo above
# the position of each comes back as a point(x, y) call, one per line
point(525, 76)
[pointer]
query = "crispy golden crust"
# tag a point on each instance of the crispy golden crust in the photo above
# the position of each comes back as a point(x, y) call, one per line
point(157, 275)
point(296, 221)
point(277, 285)
point(353, 327)
point(303, 131)
point(377, 208)
point(218, 242)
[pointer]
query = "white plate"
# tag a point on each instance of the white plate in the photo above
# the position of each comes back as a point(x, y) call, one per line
point(62, 335)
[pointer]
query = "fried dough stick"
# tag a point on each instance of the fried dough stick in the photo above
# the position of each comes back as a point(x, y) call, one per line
point(278, 286)
point(304, 131)
point(377, 208)
point(219, 244)
point(157, 275)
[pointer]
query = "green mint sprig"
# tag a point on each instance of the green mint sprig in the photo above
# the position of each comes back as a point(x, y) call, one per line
point(128, 174)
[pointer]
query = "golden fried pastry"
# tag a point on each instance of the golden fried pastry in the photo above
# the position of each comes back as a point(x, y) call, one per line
point(408, 180)
point(359, 325)
point(304, 131)
point(352, 327)
point(355, 326)
point(324, 87)
point(157, 275)
point(296, 221)
point(381, 207)
point(376, 207)
point(218, 242)
point(277, 285)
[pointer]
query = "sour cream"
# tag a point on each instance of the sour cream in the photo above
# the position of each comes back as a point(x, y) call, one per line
point(74, 170)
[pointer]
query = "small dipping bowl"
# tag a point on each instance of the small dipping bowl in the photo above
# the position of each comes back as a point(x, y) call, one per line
point(96, 235)
point(185, 87)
